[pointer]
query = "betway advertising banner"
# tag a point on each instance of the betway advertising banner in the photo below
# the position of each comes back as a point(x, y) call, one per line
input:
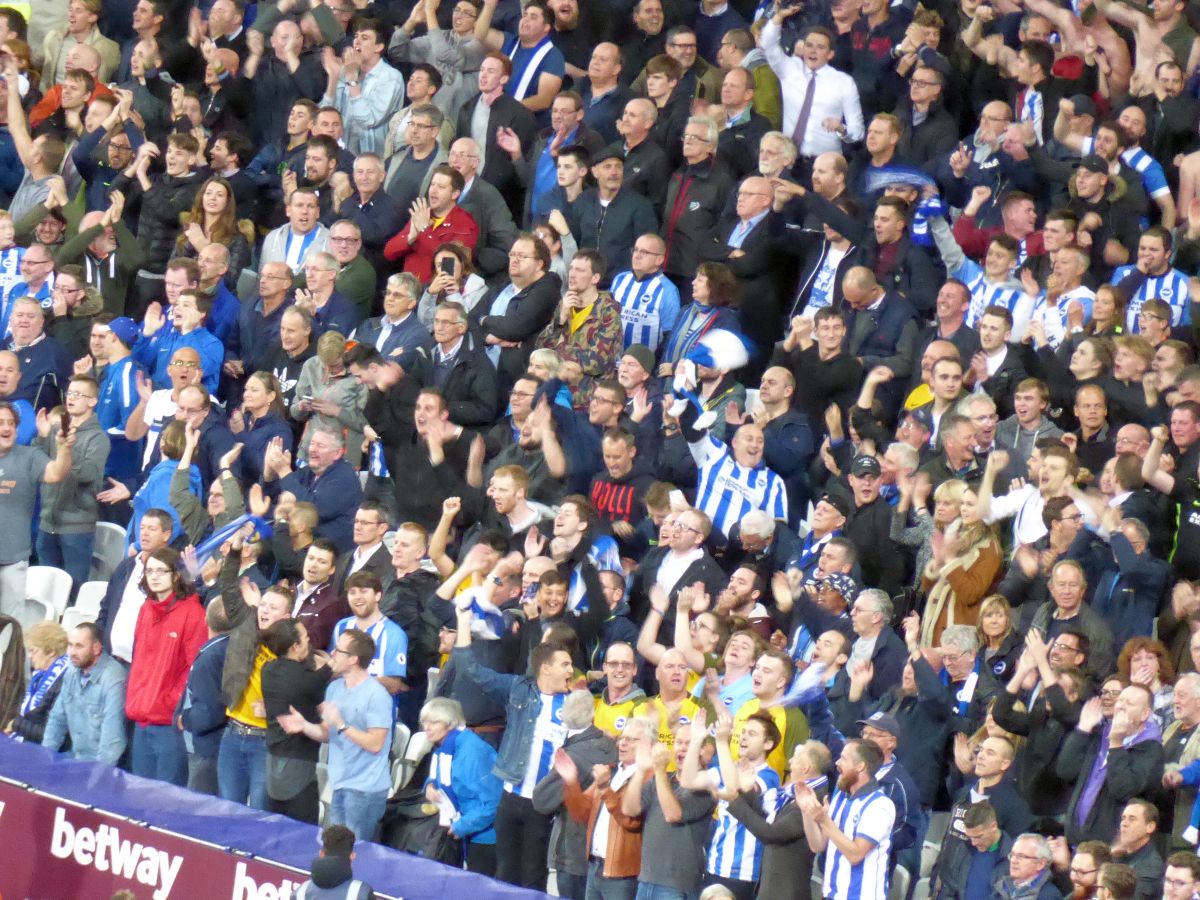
point(55, 849)
point(77, 830)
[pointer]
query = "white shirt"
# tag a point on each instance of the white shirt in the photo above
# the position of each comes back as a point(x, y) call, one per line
point(160, 410)
point(359, 557)
point(125, 621)
point(673, 566)
point(836, 97)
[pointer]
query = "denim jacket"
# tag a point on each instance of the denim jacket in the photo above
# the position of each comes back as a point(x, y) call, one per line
point(92, 712)
point(524, 704)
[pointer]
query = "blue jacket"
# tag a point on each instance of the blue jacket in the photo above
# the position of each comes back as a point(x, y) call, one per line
point(45, 370)
point(254, 337)
point(202, 706)
point(475, 789)
point(336, 495)
point(118, 399)
point(94, 169)
point(155, 493)
point(155, 354)
point(338, 314)
point(524, 704)
point(1128, 598)
point(409, 336)
point(224, 313)
point(91, 713)
point(256, 437)
point(11, 168)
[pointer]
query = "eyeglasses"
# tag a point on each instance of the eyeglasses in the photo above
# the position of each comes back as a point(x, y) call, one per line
point(448, 323)
point(340, 650)
point(344, 240)
point(520, 256)
point(952, 657)
point(1077, 871)
point(1075, 518)
point(638, 251)
point(923, 83)
point(1024, 856)
point(185, 364)
point(618, 665)
point(1111, 693)
point(693, 138)
point(688, 528)
point(79, 395)
point(157, 570)
point(415, 124)
point(677, 46)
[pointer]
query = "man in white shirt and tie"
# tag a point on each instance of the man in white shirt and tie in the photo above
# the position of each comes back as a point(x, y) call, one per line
point(821, 107)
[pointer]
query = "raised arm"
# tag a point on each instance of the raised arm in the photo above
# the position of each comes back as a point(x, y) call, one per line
point(488, 36)
point(1150, 465)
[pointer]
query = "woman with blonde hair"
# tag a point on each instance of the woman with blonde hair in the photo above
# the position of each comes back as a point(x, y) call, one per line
point(213, 220)
point(328, 396)
point(999, 642)
point(914, 497)
point(965, 562)
point(46, 649)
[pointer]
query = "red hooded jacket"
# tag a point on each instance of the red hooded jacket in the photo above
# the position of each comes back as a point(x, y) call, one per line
point(166, 639)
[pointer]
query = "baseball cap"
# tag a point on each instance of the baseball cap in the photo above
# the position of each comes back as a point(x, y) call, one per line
point(843, 584)
point(883, 721)
point(612, 151)
point(921, 416)
point(1084, 105)
point(1094, 163)
point(838, 502)
point(125, 329)
point(865, 465)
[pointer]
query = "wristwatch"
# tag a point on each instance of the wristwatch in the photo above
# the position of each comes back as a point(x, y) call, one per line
point(341, 728)
point(352, 83)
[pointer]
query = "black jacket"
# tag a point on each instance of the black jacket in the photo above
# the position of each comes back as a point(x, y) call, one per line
point(935, 137)
point(158, 220)
point(528, 312)
point(737, 146)
point(760, 272)
point(695, 196)
point(591, 747)
point(1133, 771)
point(470, 387)
point(1044, 726)
point(612, 229)
point(647, 172)
point(497, 167)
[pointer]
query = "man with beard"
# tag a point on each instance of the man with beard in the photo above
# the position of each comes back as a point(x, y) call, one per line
point(389, 666)
point(107, 250)
point(859, 804)
point(511, 511)
point(618, 492)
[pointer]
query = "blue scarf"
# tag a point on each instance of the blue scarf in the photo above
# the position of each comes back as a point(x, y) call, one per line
point(40, 683)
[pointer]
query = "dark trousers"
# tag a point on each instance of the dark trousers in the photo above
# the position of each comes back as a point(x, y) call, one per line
point(304, 807)
point(481, 859)
point(522, 836)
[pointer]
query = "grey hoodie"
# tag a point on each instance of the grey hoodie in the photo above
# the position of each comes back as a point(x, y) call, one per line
point(70, 507)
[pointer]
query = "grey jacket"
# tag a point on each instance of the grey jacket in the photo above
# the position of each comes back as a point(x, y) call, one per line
point(568, 840)
point(1009, 433)
point(69, 506)
point(1100, 659)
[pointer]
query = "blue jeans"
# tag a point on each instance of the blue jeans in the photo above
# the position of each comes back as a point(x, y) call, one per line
point(70, 552)
point(242, 769)
point(660, 892)
point(571, 887)
point(158, 753)
point(601, 888)
point(359, 811)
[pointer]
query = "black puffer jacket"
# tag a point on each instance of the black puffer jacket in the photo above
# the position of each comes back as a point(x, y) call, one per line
point(159, 221)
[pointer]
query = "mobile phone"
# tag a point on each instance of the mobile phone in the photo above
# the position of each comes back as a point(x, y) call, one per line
point(308, 397)
point(447, 266)
point(65, 422)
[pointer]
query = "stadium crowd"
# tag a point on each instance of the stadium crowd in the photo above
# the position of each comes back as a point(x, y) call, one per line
point(755, 445)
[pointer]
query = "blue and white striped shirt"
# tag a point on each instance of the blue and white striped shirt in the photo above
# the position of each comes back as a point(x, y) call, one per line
point(869, 814)
point(391, 647)
point(649, 308)
point(726, 491)
point(985, 293)
point(1171, 288)
point(549, 732)
point(733, 852)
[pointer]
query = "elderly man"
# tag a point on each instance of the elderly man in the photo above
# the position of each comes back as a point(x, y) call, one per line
point(1029, 872)
point(45, 364)
point(486, 206)
point(370, 207)
point(611, 216)
point(107, 250)
point(1181, 746)
point(398, 332)
point(320, 298)
point(648, 166)
point(1111, 762)
point(279, 77)
point(743, 242)
point(457, 367)
point(409, 170)
point(328, 482)
point(1066, 610)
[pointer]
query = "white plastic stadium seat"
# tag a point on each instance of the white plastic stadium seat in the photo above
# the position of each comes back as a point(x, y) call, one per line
point(108, 551)
point(86, 606)
point(48, 589)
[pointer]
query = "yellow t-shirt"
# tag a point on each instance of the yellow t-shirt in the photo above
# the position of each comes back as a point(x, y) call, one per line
point(611, 718)
point(656, 709)
point(243, 710)
point(777, 759)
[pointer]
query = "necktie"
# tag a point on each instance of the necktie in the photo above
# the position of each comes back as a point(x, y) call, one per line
point(805, 111)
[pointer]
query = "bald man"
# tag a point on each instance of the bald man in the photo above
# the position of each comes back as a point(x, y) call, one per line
point(10, 378)
point(604, 97)
point(882, 326)
point(742, 127)
point(788, 438)
point(742, 242)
